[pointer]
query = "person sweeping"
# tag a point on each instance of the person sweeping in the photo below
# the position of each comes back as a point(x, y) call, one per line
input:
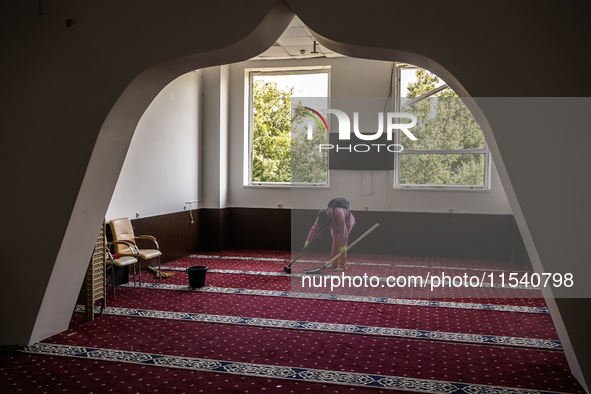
point(340, 221)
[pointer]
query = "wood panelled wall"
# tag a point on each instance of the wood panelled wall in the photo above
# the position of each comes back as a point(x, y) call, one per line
point(477, 236)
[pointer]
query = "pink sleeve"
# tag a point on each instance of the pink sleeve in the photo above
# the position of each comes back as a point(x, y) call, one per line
point(313, 231)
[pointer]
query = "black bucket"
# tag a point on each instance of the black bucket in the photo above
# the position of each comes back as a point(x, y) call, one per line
point(196, 276)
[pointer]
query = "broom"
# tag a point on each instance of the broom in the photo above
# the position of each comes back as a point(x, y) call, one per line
point(287, 268)
point(317, 270)
point(155, 271)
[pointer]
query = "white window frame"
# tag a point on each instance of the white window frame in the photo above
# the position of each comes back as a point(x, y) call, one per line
point(248, 121)
point(397, 156)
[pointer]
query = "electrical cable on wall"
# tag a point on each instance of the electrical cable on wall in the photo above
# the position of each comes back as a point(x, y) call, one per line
point(390, 92)
point(391, 86)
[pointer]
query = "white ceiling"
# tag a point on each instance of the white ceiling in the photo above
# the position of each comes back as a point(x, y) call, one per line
point(296, 42)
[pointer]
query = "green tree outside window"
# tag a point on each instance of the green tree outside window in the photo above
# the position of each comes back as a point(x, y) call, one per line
point(450, 148)
point(281, 152)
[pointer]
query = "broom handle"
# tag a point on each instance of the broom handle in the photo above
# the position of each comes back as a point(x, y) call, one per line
point(302, 252)
point(297, 257)
point(352, 244)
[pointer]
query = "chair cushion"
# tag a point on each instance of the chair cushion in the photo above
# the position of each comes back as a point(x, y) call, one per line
point(123, 261)
point(148, 254)
point(145, 254)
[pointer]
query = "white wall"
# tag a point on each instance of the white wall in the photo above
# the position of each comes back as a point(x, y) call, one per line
point(349, 78)
point(214, 174)
point(160, 170)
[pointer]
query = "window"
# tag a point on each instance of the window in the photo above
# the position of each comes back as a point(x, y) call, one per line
point(279, 152)
point(450, 150)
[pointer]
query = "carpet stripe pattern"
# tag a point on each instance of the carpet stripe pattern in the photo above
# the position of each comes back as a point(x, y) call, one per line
point(272, 371)
point(334, 327)
point(423, 283)
point(339, 297)
point(414, 266)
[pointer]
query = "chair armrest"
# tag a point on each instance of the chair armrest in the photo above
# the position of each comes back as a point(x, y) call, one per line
point(149, 237)
point(110, 255)
point(132, 247)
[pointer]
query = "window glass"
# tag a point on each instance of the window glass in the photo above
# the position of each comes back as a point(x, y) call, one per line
point(450, 149)
point(280, 153)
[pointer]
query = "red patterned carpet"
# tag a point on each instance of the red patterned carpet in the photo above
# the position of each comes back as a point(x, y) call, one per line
point(247, 330)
